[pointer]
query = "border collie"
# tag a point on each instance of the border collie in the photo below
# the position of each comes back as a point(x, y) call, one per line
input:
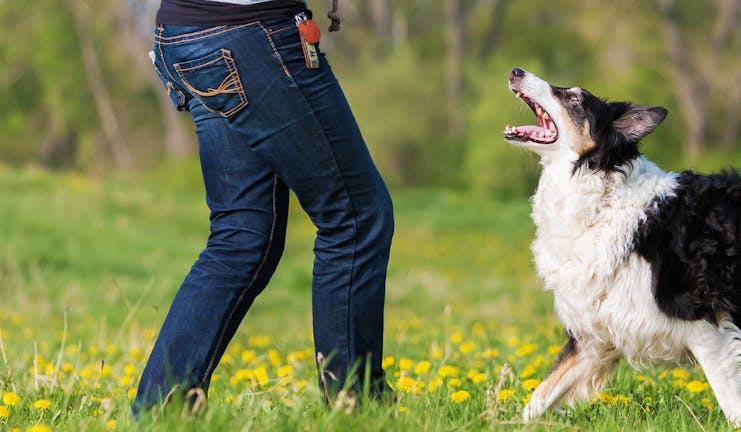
point(643, 264)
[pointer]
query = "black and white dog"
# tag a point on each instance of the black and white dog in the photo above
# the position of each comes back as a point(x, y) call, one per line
point(644, 264)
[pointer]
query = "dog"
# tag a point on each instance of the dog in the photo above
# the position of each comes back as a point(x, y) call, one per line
point(643, 264)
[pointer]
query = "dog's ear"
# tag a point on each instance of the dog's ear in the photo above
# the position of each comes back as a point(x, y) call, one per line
point(638, 121)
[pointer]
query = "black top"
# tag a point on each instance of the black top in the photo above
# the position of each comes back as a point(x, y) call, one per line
point(204, 13)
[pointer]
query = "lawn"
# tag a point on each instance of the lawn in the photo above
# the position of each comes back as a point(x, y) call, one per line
point(88, 267)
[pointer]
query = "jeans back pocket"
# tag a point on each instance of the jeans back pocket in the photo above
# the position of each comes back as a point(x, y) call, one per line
point(214, 81)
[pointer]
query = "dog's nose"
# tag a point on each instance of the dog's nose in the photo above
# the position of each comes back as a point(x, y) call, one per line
point(517, 73)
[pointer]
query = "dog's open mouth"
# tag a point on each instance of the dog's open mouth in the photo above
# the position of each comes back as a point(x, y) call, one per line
point(546, 131)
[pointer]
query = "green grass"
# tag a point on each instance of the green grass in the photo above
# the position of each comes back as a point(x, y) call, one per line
point(88, 268)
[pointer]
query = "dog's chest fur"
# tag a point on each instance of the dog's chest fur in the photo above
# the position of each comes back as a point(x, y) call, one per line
point(583, 251)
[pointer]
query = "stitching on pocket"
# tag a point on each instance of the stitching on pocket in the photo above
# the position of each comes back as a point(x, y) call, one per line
point(230, 84)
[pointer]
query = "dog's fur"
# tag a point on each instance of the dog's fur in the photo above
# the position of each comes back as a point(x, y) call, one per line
point(644, 264)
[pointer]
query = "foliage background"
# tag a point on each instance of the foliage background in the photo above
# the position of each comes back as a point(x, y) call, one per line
point(102, 212)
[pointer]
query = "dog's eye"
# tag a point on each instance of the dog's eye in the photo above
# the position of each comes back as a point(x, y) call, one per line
point(573, 97)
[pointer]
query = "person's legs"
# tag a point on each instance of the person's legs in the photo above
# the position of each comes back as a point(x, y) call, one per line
point(324, 159)
point(298, 122)
point(249, 206)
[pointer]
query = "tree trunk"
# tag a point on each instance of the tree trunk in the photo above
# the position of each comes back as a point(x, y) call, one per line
point(176, 140)
point(380, 14)
point(691, 90)
point(101, 96)
point(454, 66)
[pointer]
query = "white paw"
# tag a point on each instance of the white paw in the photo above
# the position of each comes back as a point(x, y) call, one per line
point(534, 409)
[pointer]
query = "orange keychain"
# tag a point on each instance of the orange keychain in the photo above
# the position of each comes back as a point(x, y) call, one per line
point(310, 35)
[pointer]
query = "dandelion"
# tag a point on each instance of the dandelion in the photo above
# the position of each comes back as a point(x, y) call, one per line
point(460, 396)
point(527, 371)
point(706, 403)
point(10, 398)
point(407, 385)
point(129, 370)
point(530, 384)
point(526, 399)
point(405, 363)
point(131, 393)
point(38, 428)
point(454, 383)
point(680, 373)
point(387, 361)
point(126, 381)
point(111, 424)
point(554, 349)
point(422, 367)
point(490, 353)
point(697, 386)
point(68, 367)
point(403, 409)
point(284, 371)
point(467, 347)
point(456, 338)
point(505, 395)
point(448, 371)
point(42, 404)
point(248, 356)
point(4, 412)
point(476, 377)
point(526, 349)
point(434, 385)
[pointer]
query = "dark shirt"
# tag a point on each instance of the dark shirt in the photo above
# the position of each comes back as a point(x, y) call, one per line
point(204, 13)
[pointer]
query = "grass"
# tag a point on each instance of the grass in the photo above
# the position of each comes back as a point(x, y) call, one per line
point(88, 267)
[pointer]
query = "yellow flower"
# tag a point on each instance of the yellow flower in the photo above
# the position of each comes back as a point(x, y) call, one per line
point(126, 380)
point(111, 424)
point(526, 399)
point(131, 393)
point(528, 371)
point(505, 395)
point(621, 399)
point(405, 364)
point(4, 412)
point(42, 404)
point(476, 377)
point(403, 409)
point(456, 338)
point(406, 384)
point(491, 353)
point(680, 373)
point(530, 384)
point(10, 398)
point(68, 367)
point(454, 383)
point(460, 396)
point(422, 367)
point(261, 375)
point(697, 386)
point(706, 403)
point(467, 347)
point(387, 361)
point(248, 356)
point(258, 341)
point(526, 349)
point(434, 385)
point(448, 371)
point(554, 349)
point(129, 370)
point(38, 428)
point(284, 371)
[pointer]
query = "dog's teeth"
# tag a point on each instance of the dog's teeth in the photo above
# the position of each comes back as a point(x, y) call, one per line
point(545, 115)
point(518, 94)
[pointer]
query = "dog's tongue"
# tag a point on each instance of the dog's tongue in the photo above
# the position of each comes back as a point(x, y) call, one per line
point(528, 130)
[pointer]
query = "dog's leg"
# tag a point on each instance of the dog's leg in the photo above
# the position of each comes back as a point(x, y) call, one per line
point(718, 350)
point(575, 376)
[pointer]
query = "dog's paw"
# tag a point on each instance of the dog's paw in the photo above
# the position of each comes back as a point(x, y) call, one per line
point(534, 409)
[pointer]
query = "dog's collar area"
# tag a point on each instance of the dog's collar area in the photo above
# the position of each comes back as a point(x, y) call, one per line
point(544, 133)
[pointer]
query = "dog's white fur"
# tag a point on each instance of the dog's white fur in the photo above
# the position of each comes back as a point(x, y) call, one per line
point(603, 291)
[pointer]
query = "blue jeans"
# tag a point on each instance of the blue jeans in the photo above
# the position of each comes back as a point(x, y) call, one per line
point(266, 124)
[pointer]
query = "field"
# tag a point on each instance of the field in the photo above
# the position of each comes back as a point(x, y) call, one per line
point(88, 267)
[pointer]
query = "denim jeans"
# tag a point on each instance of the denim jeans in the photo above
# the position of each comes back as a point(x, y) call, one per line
point(266, 124)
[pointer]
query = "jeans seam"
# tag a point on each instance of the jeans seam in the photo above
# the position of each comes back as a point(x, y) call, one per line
point(186, 38)
point(211, 364)
point(275, 50)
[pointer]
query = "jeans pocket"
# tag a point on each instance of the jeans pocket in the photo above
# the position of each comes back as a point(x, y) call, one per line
point(176, 96)
point(213, 80)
